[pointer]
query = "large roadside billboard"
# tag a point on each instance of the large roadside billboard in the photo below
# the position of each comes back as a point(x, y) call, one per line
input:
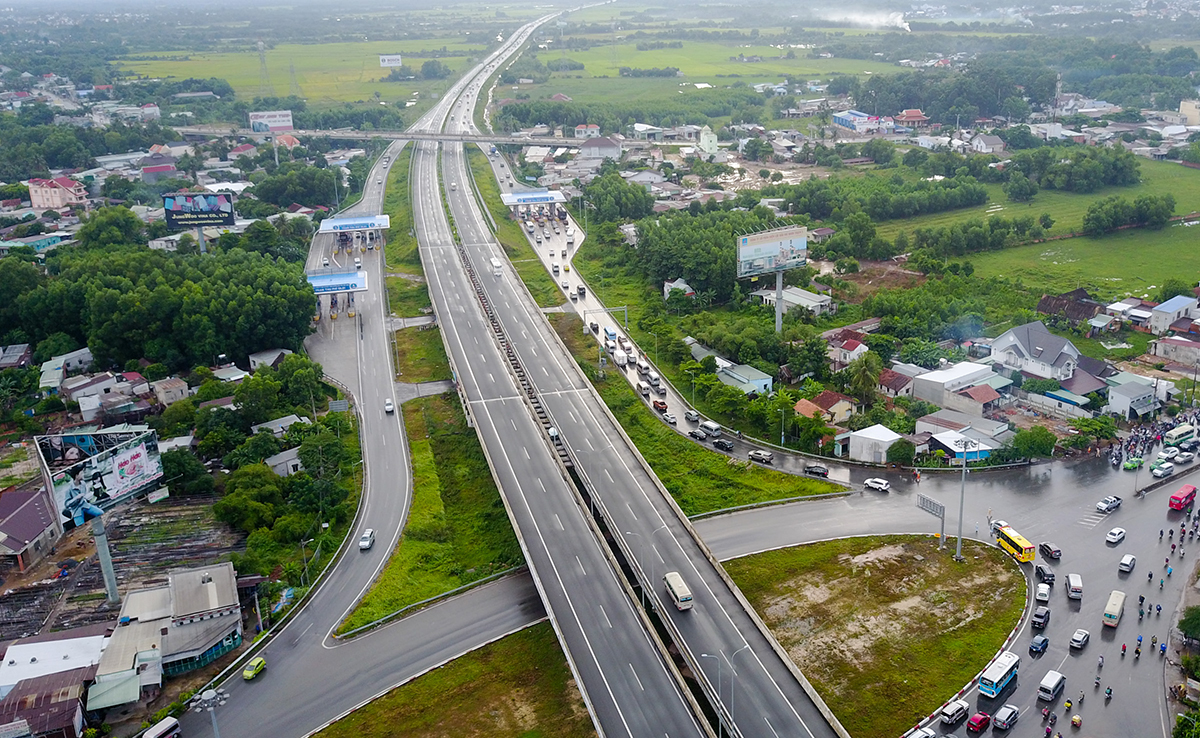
point(89, 473)
point(776, 250)
point(390, 60)
point(198, 209)
point(270, 121)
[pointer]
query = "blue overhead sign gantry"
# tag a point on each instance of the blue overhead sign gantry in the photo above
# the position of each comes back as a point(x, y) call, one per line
point(343, 282)
point(364, 223)
point(535, 197)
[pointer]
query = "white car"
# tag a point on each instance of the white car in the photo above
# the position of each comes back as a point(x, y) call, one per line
point(566, 285)
point(877, 484)
point(955, 711)
point(367, 540)
point(692, 416)
point(1080, 638)
point(1162, 469)
point(1168, 453)
point(1043, 593)
point(1116, 535)
point(1185, 457)
point(669, 417)
point(388, 407)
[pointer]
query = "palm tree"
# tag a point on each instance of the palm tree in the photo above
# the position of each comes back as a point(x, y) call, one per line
point(864, 375)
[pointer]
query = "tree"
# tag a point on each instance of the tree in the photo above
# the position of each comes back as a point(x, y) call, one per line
point(901, 452)
point(1171, 287)
point(111, 226)
point(1189, 624)
point(1020, 188)
point(434, 69)
point(810, 431)
point(864, 374)
point(727, 400)
point(1034, 442)
point(756, 149)
point(177, 419)
point(1040, 386)
point(257, 397)
point(254, 450)
point(253, 498)
point(879, 150)
point(322, 454)
point(184, 474)
point(811, 358)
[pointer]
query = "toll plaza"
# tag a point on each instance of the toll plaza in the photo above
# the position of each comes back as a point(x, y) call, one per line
point(343, 284)
point(363, 233)
point(535, 204)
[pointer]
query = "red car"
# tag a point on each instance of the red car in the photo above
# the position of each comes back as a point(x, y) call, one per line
point(979, 722)
point(660, 406)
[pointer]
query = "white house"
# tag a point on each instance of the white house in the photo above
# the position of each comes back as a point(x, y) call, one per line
point(1033, 349)
point(871, 444)
point(985, 143)
point(285, 463)
point(1131, 400)
point(1162, 316)
point(600, 148)
point(169, 390)
point(796, 297)
point(587, 130)
point(746, 378)
point(271, 357)
point(707, 141)
point(678, 284)
point(963, 387)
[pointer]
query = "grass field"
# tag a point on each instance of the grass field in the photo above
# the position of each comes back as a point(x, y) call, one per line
point(402, 250)
point(457, 530)
point(1129, 263)
point(886, 628)
point(518, 686)
point(1067, 208)
point(420, 355)
point(326, 73)
point(407, 297)
point(539, 283)
point(700, 480)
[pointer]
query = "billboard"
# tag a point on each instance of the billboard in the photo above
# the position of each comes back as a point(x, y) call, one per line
point(89, 473)
point(198, 209)
point(270, 121)
point(390, 60)
point(776, 250)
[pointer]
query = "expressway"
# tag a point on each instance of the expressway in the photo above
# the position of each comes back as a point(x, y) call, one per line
point(771, 699)
point(303, 659)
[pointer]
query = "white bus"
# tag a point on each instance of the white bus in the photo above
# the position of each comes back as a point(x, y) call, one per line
point(997, 676)
point(1115, 608)
point(166, 728)
point(497, 267)
point(1179, 434)
point(680, 594)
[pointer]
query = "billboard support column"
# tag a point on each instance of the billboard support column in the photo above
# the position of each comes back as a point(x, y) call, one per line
point(106, 564)
point(200, 239)
point(778, 302)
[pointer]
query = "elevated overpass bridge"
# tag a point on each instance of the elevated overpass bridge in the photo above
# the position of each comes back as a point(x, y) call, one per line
point(410, 135)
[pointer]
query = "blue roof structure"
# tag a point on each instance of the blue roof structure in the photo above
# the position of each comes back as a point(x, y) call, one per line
point(1178, 302)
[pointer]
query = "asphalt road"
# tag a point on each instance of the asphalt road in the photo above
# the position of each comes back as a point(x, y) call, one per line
point(1054, 502)
point(303, 660)
point(765, 699)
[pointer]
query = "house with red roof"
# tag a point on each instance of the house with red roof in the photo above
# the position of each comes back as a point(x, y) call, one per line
point(837, 407)
point(894, 384)
point(59, 193)
point(587, 130)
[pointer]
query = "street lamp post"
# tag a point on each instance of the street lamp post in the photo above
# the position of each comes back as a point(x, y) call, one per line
point(965, 444)
point(720, 723)
point(642, 545)
point(655, 346)
point(733, 684)
point(304, 558)
point(692, 374)
point(782, 420)
point(209, 700)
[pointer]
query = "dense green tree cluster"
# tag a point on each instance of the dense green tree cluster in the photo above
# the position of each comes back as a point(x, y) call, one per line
point(880, 197)
point(127, 302)
point(527, 66)
point(614, 199)
point(1077, 169)
point(295, 182)
point(1111, 213)
point(651, 72)
point(952, 307)
point(977, 234)
point(30, 145)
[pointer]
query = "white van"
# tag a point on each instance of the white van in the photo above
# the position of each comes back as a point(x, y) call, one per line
point(643, 389)
point(1075, 586)
point(643, 366)
point(653, 378)
point(1051, 686)
point(711, 428)
point(610, 346)
point(554, 267)
point(678, 590)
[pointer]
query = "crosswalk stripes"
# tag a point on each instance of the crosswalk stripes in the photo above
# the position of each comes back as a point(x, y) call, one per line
point(1091, 520)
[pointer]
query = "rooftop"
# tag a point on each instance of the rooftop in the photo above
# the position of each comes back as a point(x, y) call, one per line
point(1178, 302)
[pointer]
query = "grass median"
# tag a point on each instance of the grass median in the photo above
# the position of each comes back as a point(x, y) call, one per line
point(457, 531)
point(420, 355)
point(518, 686)
point(700, 480)
point(886, 628)
point(402, 251)
point(508, 232)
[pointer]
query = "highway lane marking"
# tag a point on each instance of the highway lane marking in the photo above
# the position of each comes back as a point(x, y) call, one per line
point(610, 479)
point(654, 548)
point(772, 727)
point(635, 676)
point(514, 423)
point(605, 614)
point(559, 521)
point(631, 512)
point(526, 452)
point(580, 565)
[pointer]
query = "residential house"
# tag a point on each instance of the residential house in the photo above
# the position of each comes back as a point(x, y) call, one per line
point(707, 141)
point(279, 426)
point(170, 390)
point(985, 143)
point(170, 630)
point(600, 148)
point(248, 149)
point(1177, 350)
point(150, 112)
point(587, 130)
point(746, 378)
point(1190, 109)
point(51, 706)
point(75, 388)
point(644, 132)
point(52, 653)
point(285, 463)
point(837, 407)
point(28, 527)
point(75, 361)
point(871, 444)
point(271, 357)
point(229, 373)
point(16, 356)
point(40, 242)
point(992, 431)
point(171, 444)
point(1076, 306)
point(820, 235)
point(960, 448)
point(934, 142)
point(1131, 400)
point(1179, 307)
point(844, 345)
point(60, 193)
point(678, 284)
point(894, 384)
point(156, 166)
point(966, 387)
point(796, 297)
point(807, 409)
point(1033, 350)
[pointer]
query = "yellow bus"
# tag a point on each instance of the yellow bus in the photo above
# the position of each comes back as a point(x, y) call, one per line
point(1016, 545)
